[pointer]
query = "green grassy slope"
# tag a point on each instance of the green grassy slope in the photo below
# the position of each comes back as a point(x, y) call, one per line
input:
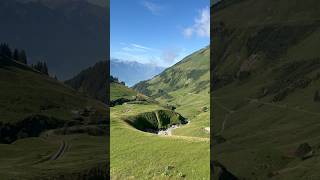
point(266, 67)
point(92, 81)
point(31, 104)
point(186, 86)
point(120, 91)
point(137, 154)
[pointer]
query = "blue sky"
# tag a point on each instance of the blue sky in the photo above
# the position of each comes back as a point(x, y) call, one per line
point(159, 32)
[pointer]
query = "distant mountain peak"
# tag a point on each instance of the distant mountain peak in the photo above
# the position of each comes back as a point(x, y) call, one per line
point(131, 72)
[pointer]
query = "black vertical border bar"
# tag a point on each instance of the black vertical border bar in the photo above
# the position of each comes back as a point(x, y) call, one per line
point(108, 91)
point(211, 91)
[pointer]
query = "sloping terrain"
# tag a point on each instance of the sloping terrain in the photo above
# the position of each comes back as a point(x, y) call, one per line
point(185, 86)
point(48, 130)
point(137, 154)
point(138, 150)
point(266, 66)
point(92, 81)
point(118, 90)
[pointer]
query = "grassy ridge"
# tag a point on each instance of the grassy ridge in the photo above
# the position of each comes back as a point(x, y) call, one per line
point(120, 91)
point(266, 76)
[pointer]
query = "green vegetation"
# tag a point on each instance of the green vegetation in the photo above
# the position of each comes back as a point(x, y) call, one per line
point(48, 130)
point(41, 67)
point(186, 86)
point(181, 91)
point(137, 154)
point(266, 79)
point(17, 55)
point(92, 81)
point(157, 120)
point(120, 91)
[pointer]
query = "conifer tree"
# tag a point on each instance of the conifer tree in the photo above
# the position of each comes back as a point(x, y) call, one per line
point(23, 57)
point(5, 50)
point(42, 67)
point(45, 68)
point(16, 55)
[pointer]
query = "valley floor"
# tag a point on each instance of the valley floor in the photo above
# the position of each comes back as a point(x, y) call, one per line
point(57, 157)
point(140, 155)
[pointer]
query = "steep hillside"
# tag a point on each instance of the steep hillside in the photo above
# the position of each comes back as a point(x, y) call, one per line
point(92, 81)
point(48, 130)
point(266, 67)
point(185, 86)
point(133, 72)
point(190, 74)
point(118, 90)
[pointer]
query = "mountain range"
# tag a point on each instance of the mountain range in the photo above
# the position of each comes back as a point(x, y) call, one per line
point(132, 72)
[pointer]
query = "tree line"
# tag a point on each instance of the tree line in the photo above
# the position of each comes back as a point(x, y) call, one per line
point(21, 56)
point(17, 55)
point(116, 80)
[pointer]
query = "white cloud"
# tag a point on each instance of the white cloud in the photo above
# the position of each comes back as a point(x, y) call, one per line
point(169, 56)
point(152, 7)
point(145, 58)
point(136, 48)
point(187, 32)
point(141, 47)
point(147, 55)
point(133, 49)
point(201, 26)
point(137, 52)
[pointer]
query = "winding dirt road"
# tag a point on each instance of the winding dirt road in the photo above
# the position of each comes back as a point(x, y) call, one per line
point(62, 149)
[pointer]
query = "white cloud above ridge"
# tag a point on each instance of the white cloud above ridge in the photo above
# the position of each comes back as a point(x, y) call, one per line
point(147, 55)
point(201, 26)
point(141, 47)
